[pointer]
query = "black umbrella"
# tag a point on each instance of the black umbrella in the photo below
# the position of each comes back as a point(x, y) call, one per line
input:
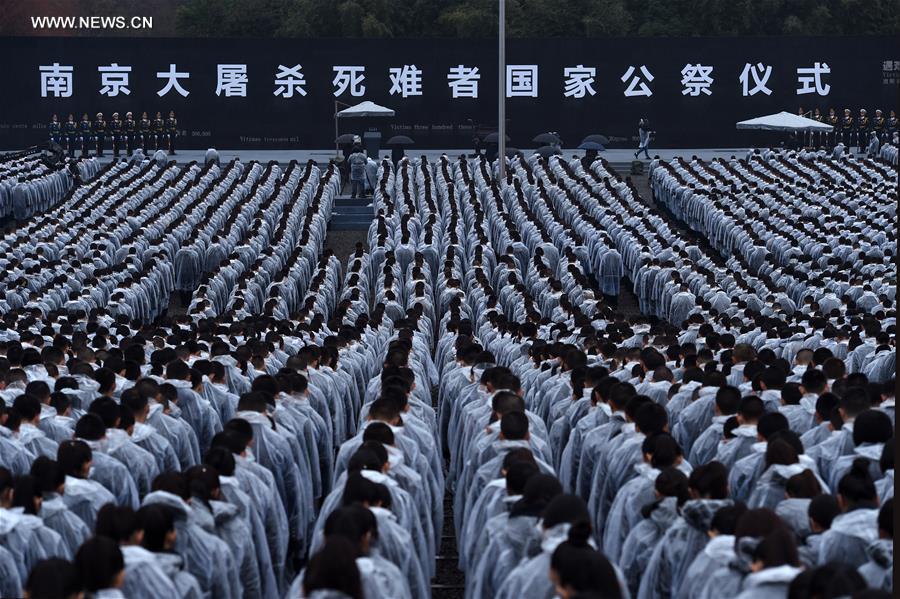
point(494, 138)
point(400, 140)
point(547, 151)
point(591, 146)
point(512, 152)
point(546, 139)
point(346, 138)
point(597, 139)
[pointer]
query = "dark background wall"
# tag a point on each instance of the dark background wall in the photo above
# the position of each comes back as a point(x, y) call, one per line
point(860, 78)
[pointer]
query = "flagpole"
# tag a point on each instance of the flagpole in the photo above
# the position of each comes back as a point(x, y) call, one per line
point(501, 95)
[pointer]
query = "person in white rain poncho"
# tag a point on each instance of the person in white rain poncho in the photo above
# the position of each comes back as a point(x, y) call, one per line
point(268, 418)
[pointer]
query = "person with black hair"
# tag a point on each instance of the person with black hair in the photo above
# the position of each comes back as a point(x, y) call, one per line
point(195, 409)
point(596, 412)
point(624, 455)
point(716, 559)
point(576, 568)
point(872, 429)
point(22, 532)
point(141, 464)
point(332, 572)
point(726, 404)
point(670, 493)
point(101, 566)
point(826, 407)
point(832, 581)
point(371, 462)
point(775, 565)
point(750, 410)
point(857, 526)
point(510, 535)
point(596, 440)
point(498, 495)
point(143, 576)
point(800, 489)
point(159, 536)
point(206, 504)
point(378, 576)
point(206, 557)
point(106, 469)
point(688, 535)
point(781, 463)
point(659, 452)
point(748, 469)
point(164, 415)
point(137, 405)
point(529, 578)
point(853, 402)
point(274, 451)
point(879, 570)
point(28, 407)
point(83, 495)
point(54, 577)
point(50, 482)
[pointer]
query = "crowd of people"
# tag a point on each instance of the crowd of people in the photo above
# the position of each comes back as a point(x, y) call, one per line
point(294, 431)
point(126, 134)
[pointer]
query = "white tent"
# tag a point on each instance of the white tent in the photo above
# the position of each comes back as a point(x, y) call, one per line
point(783, 121)
point(366, 108)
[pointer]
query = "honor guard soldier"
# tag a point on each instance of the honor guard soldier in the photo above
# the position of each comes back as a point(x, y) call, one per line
point(159, 131)
point(815, 137)
point(145, 130)
point(84, 134)
point(848, 126)
point(129, 132)
point(54, 129)
point(70, 130)
point(892, 125)
point(171, 131)
point(115, 132)
point(878, 126)
point(862, 131)
point(99, 132)
point(835, 123)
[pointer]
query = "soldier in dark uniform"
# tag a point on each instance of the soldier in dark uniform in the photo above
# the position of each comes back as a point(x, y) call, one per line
point(84, 134)
point(848, 126)
point(835, 123)
point(878, 126)
point(115, 132)
point(815, 137)
point(71, 132)
point(892, 125)
point(129, 131)
point(862, 131)
point(171, 131)
point(159, 130)
point(145, 128)
point(54, 129)
point(99, 132)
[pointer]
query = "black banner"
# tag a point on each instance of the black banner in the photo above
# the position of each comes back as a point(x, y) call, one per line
point(280, 93)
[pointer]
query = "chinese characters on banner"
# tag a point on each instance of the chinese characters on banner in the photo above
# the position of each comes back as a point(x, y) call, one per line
point(408, 80)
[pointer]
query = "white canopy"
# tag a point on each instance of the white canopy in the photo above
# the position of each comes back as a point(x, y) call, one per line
point(366, 108)
point(783, 121)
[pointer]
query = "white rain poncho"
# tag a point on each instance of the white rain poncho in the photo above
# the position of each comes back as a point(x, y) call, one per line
point(85, 497)
point(59, 517)
point(206, 556)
